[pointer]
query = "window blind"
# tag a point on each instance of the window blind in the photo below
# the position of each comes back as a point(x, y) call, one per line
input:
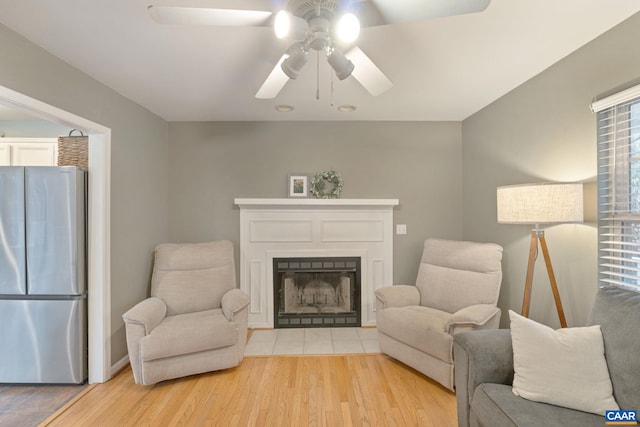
point(618, 119)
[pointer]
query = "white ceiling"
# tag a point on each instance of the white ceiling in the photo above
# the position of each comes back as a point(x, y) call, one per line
point(443, 69)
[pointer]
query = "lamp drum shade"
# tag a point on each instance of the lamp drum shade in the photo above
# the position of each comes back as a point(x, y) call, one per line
point(543, 203)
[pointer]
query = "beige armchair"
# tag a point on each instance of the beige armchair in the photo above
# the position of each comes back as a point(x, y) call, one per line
point(195, 320)
point(456, 290)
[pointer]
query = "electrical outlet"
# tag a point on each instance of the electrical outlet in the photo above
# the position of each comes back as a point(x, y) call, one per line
point(401, 228)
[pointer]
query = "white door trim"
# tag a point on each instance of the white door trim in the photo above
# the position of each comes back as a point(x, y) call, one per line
point(99, 267)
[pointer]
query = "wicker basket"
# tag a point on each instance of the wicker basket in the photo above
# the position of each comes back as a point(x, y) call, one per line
point(73, 150)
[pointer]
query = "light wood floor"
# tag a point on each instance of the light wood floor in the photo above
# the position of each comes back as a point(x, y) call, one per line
point(343, 390)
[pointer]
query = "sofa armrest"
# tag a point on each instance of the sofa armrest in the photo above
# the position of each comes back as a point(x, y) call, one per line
point(397, 296)
point(477, 316)
point(480, 357)
point(233, 302)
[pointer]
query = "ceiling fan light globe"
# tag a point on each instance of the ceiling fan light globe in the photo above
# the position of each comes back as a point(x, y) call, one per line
point(287, 26)
point(346, 71)
point(290, 70)
point(340, 64)
point(297, 57)
point(347, 28)
point(282, 24)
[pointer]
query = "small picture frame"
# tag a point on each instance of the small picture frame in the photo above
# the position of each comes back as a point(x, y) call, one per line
point(298, 185)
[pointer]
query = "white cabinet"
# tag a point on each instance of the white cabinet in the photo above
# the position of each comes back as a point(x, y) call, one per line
point(5, 154)
point(29, 151)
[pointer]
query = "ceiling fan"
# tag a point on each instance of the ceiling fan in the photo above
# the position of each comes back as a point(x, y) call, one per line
point(328, 26)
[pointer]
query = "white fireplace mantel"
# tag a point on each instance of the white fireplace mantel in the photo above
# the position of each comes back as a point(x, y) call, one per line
point(315, 203)
point(278, 228)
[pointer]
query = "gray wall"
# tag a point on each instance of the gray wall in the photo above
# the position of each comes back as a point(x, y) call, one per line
point(177, 182)
point(545, 131)
point(139, 173)
point(418, 163)
point(32, 129)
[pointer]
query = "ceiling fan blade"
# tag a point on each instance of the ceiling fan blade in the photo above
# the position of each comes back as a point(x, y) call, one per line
point(367, 73)
point(274, 82)
point(176, 15)
point(383, 12)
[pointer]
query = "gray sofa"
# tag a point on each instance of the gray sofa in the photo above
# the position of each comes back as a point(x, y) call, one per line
point(484, 370)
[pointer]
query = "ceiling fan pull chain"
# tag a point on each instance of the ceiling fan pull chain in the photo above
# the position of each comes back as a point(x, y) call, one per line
point(317, 74)
point(331, 100)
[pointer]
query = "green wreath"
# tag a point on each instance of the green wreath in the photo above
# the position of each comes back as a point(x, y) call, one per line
point(322, 180)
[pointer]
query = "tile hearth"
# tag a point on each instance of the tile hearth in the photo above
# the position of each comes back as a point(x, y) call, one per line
point(312, 341)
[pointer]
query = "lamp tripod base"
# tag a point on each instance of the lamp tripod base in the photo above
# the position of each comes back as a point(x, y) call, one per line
point(538, 236)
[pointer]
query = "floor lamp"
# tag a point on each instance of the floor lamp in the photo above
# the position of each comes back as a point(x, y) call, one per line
point(535, 204)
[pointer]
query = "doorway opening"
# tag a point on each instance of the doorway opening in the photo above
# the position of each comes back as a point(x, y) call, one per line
point(99, 218)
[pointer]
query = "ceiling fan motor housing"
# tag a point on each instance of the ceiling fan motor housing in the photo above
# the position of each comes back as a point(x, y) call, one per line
point(308, 8)
point(319, 30)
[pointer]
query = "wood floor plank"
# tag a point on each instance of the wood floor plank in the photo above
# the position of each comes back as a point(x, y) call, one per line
point(342, 390)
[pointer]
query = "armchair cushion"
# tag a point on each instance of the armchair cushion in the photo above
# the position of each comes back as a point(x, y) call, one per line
point(188, 333)
point(451, 290)
point(420, 327)
point(455, 274)
point(193, 277)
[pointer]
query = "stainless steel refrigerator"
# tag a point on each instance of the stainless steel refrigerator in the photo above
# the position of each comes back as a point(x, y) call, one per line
point(43, 292)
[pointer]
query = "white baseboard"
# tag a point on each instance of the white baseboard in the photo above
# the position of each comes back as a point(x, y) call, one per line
point(119, 365)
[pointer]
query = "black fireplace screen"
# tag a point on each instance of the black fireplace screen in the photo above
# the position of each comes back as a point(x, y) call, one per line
point(316, 292)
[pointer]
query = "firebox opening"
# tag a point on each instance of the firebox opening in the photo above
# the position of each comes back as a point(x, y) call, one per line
point(316, 292)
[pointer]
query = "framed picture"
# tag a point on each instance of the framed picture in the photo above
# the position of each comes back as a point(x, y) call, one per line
point(298, 185)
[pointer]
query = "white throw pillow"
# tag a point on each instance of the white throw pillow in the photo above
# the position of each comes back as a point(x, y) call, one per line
point(564, 367)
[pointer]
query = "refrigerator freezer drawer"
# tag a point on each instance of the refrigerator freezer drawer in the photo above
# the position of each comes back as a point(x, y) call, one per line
point(12, 223)
point(43, 341)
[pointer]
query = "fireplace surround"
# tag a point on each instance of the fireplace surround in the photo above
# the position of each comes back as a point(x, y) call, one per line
point(313, 228)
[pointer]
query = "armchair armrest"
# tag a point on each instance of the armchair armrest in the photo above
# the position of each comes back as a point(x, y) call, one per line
point(478, 316)
point(139, 321)
point(233, 302)
point(397, 296)
point(148, 313)
point(480, 357)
